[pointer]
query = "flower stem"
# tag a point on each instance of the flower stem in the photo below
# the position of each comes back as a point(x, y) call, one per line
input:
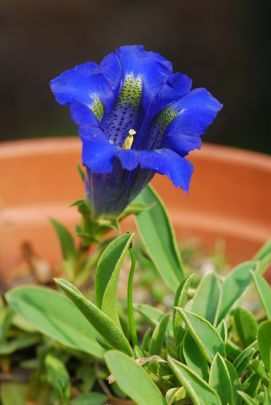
point(131, 317)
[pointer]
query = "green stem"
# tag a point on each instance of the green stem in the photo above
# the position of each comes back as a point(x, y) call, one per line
point(130, 299)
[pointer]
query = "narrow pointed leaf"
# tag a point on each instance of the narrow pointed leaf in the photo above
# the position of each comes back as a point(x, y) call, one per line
point(247, 399)
point(264, 257)
point(198, 390)
point(181, 298)
point(57, 317)
point(234, 286)
point(264, 342)
point(246, 325)
point(159, 240)
point(158, 335)
point(204, 334)
point(133, 379)
point(98, 319)
point(107, 275)
point(220, 381)
point(207, 298)
point(194, 358)
point(152, 314)
point(264, 292)
point(66, 240)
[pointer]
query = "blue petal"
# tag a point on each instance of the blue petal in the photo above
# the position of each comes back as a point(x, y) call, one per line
point(196, 111)
point(97, 152)
point(85, 84)
point(163, 161)
point(153, 69)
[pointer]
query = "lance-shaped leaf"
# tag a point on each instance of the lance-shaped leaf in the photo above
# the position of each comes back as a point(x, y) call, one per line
point(204, 334)
point(198, 389)
point(181, 298)
point(220, 381)
point(246, 325)
point(133, 379)
point(264, 257)
point(207, 298)
point(234, 286)
point(158, 335)
point(264, 292)
point(57, 317)
point(159, 240)
point(107, 275)
point(194, 358)
point(97, 318)
point(264, 341)
point(247, 399)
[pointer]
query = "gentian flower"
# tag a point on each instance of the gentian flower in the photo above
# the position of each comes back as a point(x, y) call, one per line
point(136, 118)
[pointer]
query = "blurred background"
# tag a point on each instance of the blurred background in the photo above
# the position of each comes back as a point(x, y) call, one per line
point(223, 45)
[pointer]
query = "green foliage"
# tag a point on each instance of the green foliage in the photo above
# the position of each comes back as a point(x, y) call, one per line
point(159, 240)
point(200, 345)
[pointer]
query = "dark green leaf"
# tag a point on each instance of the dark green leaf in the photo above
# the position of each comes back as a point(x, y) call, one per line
point(158, 335)
point(57, 375)
point(246, 325)
point(204, 334)
point(107, 275)
point(198, 390)
point(234, 286)
point(194, 358)
point(159, 240)
point(98, 319)
point(264, 342)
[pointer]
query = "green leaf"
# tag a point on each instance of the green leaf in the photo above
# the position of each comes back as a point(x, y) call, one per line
point(91, 398)
point(181, 298)
point(57, 375)
point(194, 358)
point(133, 379)
point(207, 297)
point(264, 342)
point(152, 314)
point(13, 394)
point(18, 344)
point(204, 334)
point(247, 399)
point(220, 381)
point(246, 325)
point(158, 335)
point(264, 257)
point(264, 292)
point(222, 330)
point(198, 390)
point(55, 316)
point(68, 248)
point(242, 361)
point(234, 286)
point(159, 240)
point(107, 275)
point(98, 319)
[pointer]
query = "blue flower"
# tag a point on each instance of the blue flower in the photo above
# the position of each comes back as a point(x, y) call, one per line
point(136, 118)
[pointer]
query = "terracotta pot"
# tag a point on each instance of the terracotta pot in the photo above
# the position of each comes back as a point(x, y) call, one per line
point(229, 198)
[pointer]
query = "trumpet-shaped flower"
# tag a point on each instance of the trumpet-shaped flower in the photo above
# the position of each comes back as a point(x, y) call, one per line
point(136, 118)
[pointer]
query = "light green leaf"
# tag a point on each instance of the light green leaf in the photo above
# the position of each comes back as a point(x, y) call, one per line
point(107, 275)
point(133, 379)
point(175, 395)
point(152, 314)
point(204, 334)
point(57, 375)
point(91, 398)
point(159, 240)
point(264, 342)
point(98, 319)
point(198, 390)
point(220, 381)
point(194, 358)
point(222, 330)
point(158, 335)
point(234, 286)
point(247, 399)
point(13, 394)
point(241, 362)
point(246, 325)
point(264, 292)
point(55, 316)
point(207, 298)
point(264, 257)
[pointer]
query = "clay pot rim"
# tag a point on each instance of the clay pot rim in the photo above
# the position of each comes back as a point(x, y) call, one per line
point(41, 146)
